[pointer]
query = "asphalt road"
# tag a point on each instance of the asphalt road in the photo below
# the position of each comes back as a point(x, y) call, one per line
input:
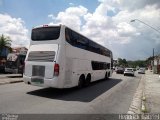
point(111, 96)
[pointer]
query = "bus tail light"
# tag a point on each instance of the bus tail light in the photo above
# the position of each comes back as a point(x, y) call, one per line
point(56, 69)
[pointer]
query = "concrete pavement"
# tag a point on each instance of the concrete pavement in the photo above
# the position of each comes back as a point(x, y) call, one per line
point(147, 95)
point(101, 97)
point(10, 78)
point(152, 92)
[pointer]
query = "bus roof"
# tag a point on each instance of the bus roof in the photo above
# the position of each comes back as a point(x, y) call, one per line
point(46, 25)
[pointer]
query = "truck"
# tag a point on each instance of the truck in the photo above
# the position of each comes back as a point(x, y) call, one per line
point(15, 63)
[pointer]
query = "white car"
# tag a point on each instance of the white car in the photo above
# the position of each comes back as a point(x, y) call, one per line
point(129, 71)
point(141, 71)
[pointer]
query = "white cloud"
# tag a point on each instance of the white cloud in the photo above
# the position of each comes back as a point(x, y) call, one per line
point(71, 4)
point(15, 29)
point(142, 38)
point(51, 16)
point(125, 29)
point(71, 17)
point(133, 5)
point(125, 39)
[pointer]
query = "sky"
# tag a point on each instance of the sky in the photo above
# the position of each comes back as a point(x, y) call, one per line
point(106, 22)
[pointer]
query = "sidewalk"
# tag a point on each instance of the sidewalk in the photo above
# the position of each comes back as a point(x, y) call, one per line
point(10, 78)
point(147, 96)
point(152, 92)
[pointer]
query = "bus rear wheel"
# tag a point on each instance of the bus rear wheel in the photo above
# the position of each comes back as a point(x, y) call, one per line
point(109, 74)
point(81, 81)
point(106, 76)
point(88, 80)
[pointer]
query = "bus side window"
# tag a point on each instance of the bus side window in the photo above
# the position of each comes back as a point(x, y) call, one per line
point(71, 37)
point(82, 42)
point(74, 39)
point(108, 66)
point(67, 35)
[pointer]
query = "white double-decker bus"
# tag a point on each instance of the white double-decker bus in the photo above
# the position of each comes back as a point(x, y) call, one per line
point(59, 57)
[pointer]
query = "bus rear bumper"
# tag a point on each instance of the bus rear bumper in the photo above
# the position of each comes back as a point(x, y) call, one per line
point(46, 82)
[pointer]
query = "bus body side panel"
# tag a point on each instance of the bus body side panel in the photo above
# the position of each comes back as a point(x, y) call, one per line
point(61, 61)
point(68, 72)
point(78, 62)
point(98, 74)
point(75, 68)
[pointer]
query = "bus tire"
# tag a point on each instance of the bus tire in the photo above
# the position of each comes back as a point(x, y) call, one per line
point(88, 80)
point(81, 81)
point(109, 74)
point(106, 76)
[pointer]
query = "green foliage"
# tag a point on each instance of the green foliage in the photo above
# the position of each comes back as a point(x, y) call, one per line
point(5, 42)
point(137, 63)
point(122, 62)
point(133, 64)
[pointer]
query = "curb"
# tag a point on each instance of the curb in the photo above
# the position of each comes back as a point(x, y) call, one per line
point(136, 105)
point(143, 104)
point(10, 82)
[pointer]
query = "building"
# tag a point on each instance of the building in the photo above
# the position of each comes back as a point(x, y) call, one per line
point(3, 55)
point(22, 50)
point(156, 63)
point(6, 51)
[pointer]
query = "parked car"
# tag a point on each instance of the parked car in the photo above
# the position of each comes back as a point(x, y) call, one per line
point(120, 70)
point(129, 71)
point(141, 71)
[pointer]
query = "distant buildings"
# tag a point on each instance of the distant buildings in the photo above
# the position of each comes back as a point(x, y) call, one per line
point(6, 51)
point(22, 50)
point(115, 63)
point(156, 64)
point(3, 55)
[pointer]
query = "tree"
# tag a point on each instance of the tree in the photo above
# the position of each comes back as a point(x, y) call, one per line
point(137, 63)
point(5, 42)
point(122, 62)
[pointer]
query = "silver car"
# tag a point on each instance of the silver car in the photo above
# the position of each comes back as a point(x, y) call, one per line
point(141, 71)
point(129, 71)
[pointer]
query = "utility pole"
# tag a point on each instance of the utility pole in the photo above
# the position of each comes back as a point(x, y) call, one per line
point(153, 53)
point(145, 24)
point(157, 30)
point(153, 61)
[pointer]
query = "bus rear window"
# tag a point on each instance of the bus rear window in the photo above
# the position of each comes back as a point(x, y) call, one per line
point(45, 33)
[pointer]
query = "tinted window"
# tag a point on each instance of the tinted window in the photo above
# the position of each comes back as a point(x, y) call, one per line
point(129, 69)
point(93, 47)
point(45, 33)
point(82, 42)
point(100, 65)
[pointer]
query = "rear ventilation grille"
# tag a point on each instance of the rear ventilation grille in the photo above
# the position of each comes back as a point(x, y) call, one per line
point(41, 56)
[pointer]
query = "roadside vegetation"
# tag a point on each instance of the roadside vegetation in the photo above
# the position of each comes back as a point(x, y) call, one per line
point(134, 64)
point(5, 42)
